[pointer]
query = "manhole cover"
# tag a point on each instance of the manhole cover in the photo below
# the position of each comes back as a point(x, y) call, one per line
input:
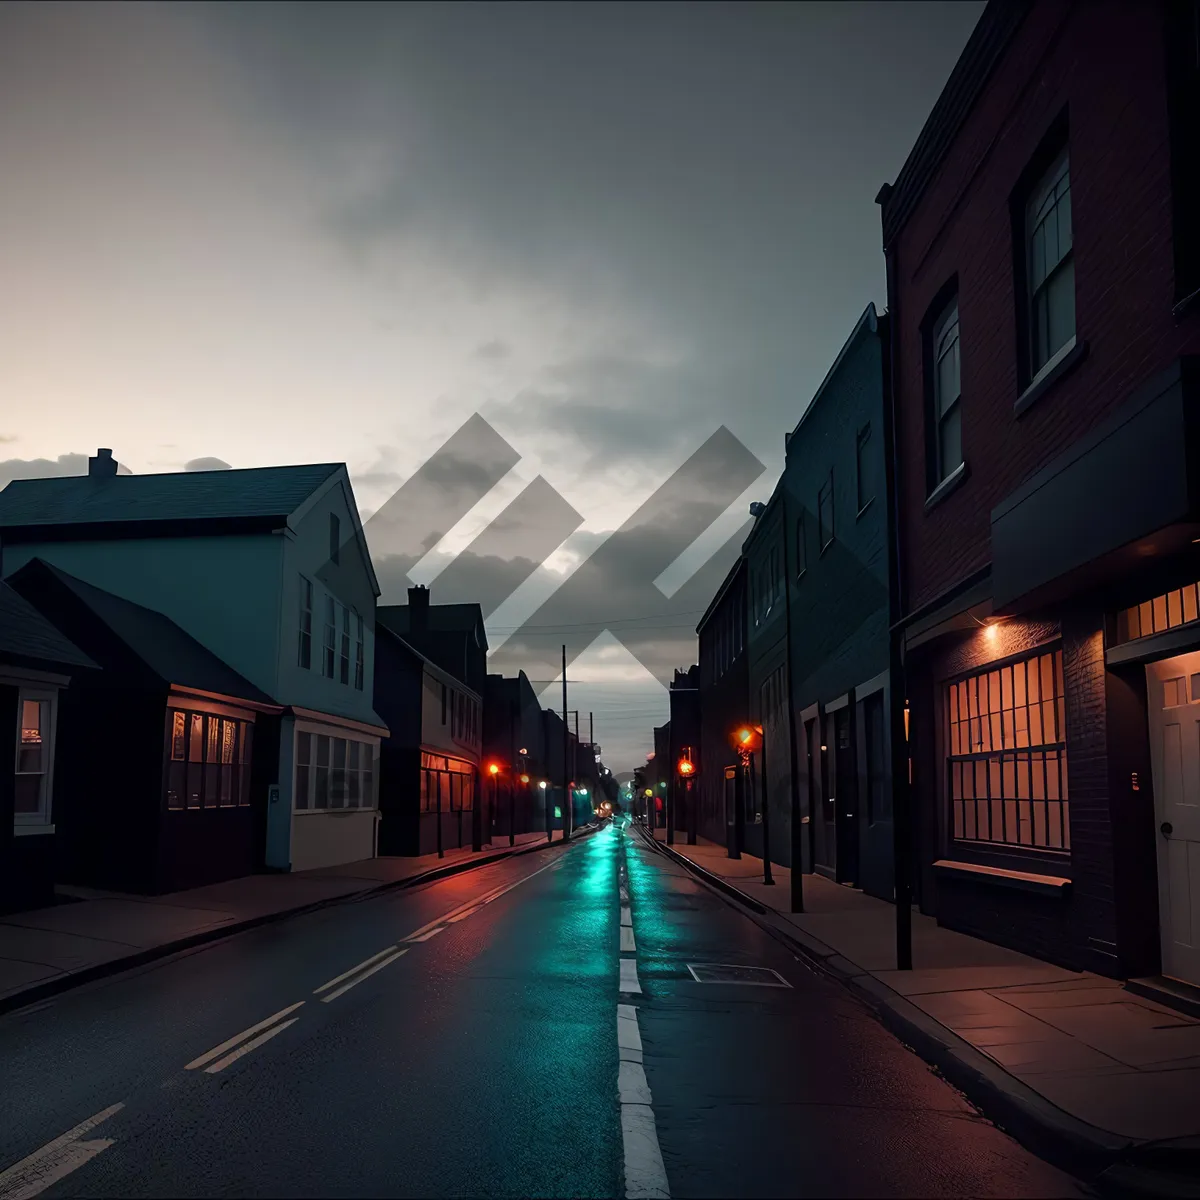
point(727, 973)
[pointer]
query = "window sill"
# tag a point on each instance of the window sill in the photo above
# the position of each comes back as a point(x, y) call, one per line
point(332, 812)
point(1061, 365)
point(950, 484)
point(1025, 881)
point(865, 508)
point(31, 830)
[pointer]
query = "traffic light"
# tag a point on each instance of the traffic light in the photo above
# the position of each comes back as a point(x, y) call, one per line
point(686, 765)
point(748, 738)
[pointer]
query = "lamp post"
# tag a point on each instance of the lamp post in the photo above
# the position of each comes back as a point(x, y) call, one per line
point(746, 740)
point(546, 810)
point(686, 768)
point(494, 772)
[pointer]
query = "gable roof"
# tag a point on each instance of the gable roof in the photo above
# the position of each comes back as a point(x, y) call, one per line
point(262, 494)
point(439, 673)
point(443, 618)
point(170, 653)
point(27, 638)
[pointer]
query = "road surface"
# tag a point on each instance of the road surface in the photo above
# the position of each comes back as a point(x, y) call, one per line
point(530, 1028)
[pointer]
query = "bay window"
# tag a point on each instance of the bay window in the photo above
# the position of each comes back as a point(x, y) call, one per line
point(334, 772)
point(208, 760)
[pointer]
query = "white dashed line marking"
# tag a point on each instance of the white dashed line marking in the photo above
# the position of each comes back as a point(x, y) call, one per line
point(55, 1160)
point(366, 962)
point(365, 975)
point(628, 945)
point(217, 1051)
point(629, 977)
point(645, 1175)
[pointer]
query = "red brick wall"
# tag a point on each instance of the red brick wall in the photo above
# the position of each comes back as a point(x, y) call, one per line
point(1104, 59)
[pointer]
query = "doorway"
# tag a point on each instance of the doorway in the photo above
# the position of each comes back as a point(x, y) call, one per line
point(1173, 703)
point(846, 774)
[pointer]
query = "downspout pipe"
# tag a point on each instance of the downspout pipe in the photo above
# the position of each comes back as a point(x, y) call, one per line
point(897, 683)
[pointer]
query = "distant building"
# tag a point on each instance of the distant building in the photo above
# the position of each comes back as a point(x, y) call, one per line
point(684, 695)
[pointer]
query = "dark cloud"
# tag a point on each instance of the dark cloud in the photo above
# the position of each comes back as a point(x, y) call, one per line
point(493, 350)
point(706, 170)
point(207, 464)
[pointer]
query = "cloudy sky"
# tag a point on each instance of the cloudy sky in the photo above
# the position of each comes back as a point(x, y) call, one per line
point(256, 234)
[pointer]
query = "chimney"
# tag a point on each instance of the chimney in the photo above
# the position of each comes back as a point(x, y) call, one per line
point(103, 465)
point(418, 609)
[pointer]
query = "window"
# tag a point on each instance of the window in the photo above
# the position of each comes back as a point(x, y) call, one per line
point(862, 468)
point(1007, 759)
point(946, 415)
point(335, 537)
point(1050, 266)
point(208, 760)
point(801, 546)
point(330, 653)
point(345, 655)
point(359, 664)
point(334, 772)
point(306, 617)
point(1169, 611)
point(31, 799)
point(879, 794)
point(825, 513)
point(447, 784)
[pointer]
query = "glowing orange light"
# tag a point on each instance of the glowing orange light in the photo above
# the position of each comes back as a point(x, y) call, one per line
point(494, 769)
point(524, 778)
point(686, 767)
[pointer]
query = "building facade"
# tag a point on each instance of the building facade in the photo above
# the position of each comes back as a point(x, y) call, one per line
point(835, 482)
point(684, 695)
point(268, 569)
point(514, 739)
point(1042, 260)
point(724, 699)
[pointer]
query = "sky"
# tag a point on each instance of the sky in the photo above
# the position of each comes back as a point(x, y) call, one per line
point(243, 235)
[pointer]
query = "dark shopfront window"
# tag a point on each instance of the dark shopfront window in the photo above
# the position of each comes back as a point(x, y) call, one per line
point(447, 783)
point(1006, 759)
point(208, 760)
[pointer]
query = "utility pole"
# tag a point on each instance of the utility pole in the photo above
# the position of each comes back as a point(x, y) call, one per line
point(566, 805)
point(797, 855)
point(574, 771)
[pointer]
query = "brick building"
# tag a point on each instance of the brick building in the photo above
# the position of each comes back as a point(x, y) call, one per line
point(1042, 266)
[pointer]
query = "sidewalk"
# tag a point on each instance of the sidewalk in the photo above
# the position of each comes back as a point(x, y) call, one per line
point(92, 933)
point(1118, 1072)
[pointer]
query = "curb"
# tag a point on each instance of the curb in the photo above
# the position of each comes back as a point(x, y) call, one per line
point(1114, 1165)
point(71, 980)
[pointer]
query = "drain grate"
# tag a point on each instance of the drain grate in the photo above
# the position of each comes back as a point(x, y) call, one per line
point(728, 973)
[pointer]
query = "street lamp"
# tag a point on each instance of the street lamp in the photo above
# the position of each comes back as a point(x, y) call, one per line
point(747, 740)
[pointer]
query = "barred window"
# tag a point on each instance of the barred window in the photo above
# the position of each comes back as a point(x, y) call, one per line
point(1007, 759)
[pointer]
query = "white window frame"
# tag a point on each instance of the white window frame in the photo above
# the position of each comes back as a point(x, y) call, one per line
point(328, 644)
point(41, 819)
point(1052, 193)
point(306, 610)
point(370, 748)
point(945, 340)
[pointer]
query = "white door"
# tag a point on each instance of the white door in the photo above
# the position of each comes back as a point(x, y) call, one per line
point(1173, 694)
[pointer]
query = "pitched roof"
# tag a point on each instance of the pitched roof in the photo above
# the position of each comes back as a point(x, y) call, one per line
point(255, 492)
point(438, 672)
point(26, 636)
point(170, 652)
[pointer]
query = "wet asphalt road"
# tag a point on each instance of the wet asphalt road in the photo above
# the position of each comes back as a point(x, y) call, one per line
point(483, 1059)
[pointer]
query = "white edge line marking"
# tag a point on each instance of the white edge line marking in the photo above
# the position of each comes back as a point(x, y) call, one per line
point(626, 915)
point(645, 1174)
point(217, 1051)
point(366, 962)
point(462, 916)
point(57, 1158)
point(629, 976)
point(365, 975)
point(222, 1063)
point(628, 945)
point(429, 933)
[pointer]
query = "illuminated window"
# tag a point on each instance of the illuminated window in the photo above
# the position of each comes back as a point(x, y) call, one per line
point(1169, 611)
point(1006, 761)
point(31, 799)
point(208, 760)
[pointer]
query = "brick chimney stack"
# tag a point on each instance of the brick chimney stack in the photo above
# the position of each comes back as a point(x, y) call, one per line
point(418, 609)
point(102, 465)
